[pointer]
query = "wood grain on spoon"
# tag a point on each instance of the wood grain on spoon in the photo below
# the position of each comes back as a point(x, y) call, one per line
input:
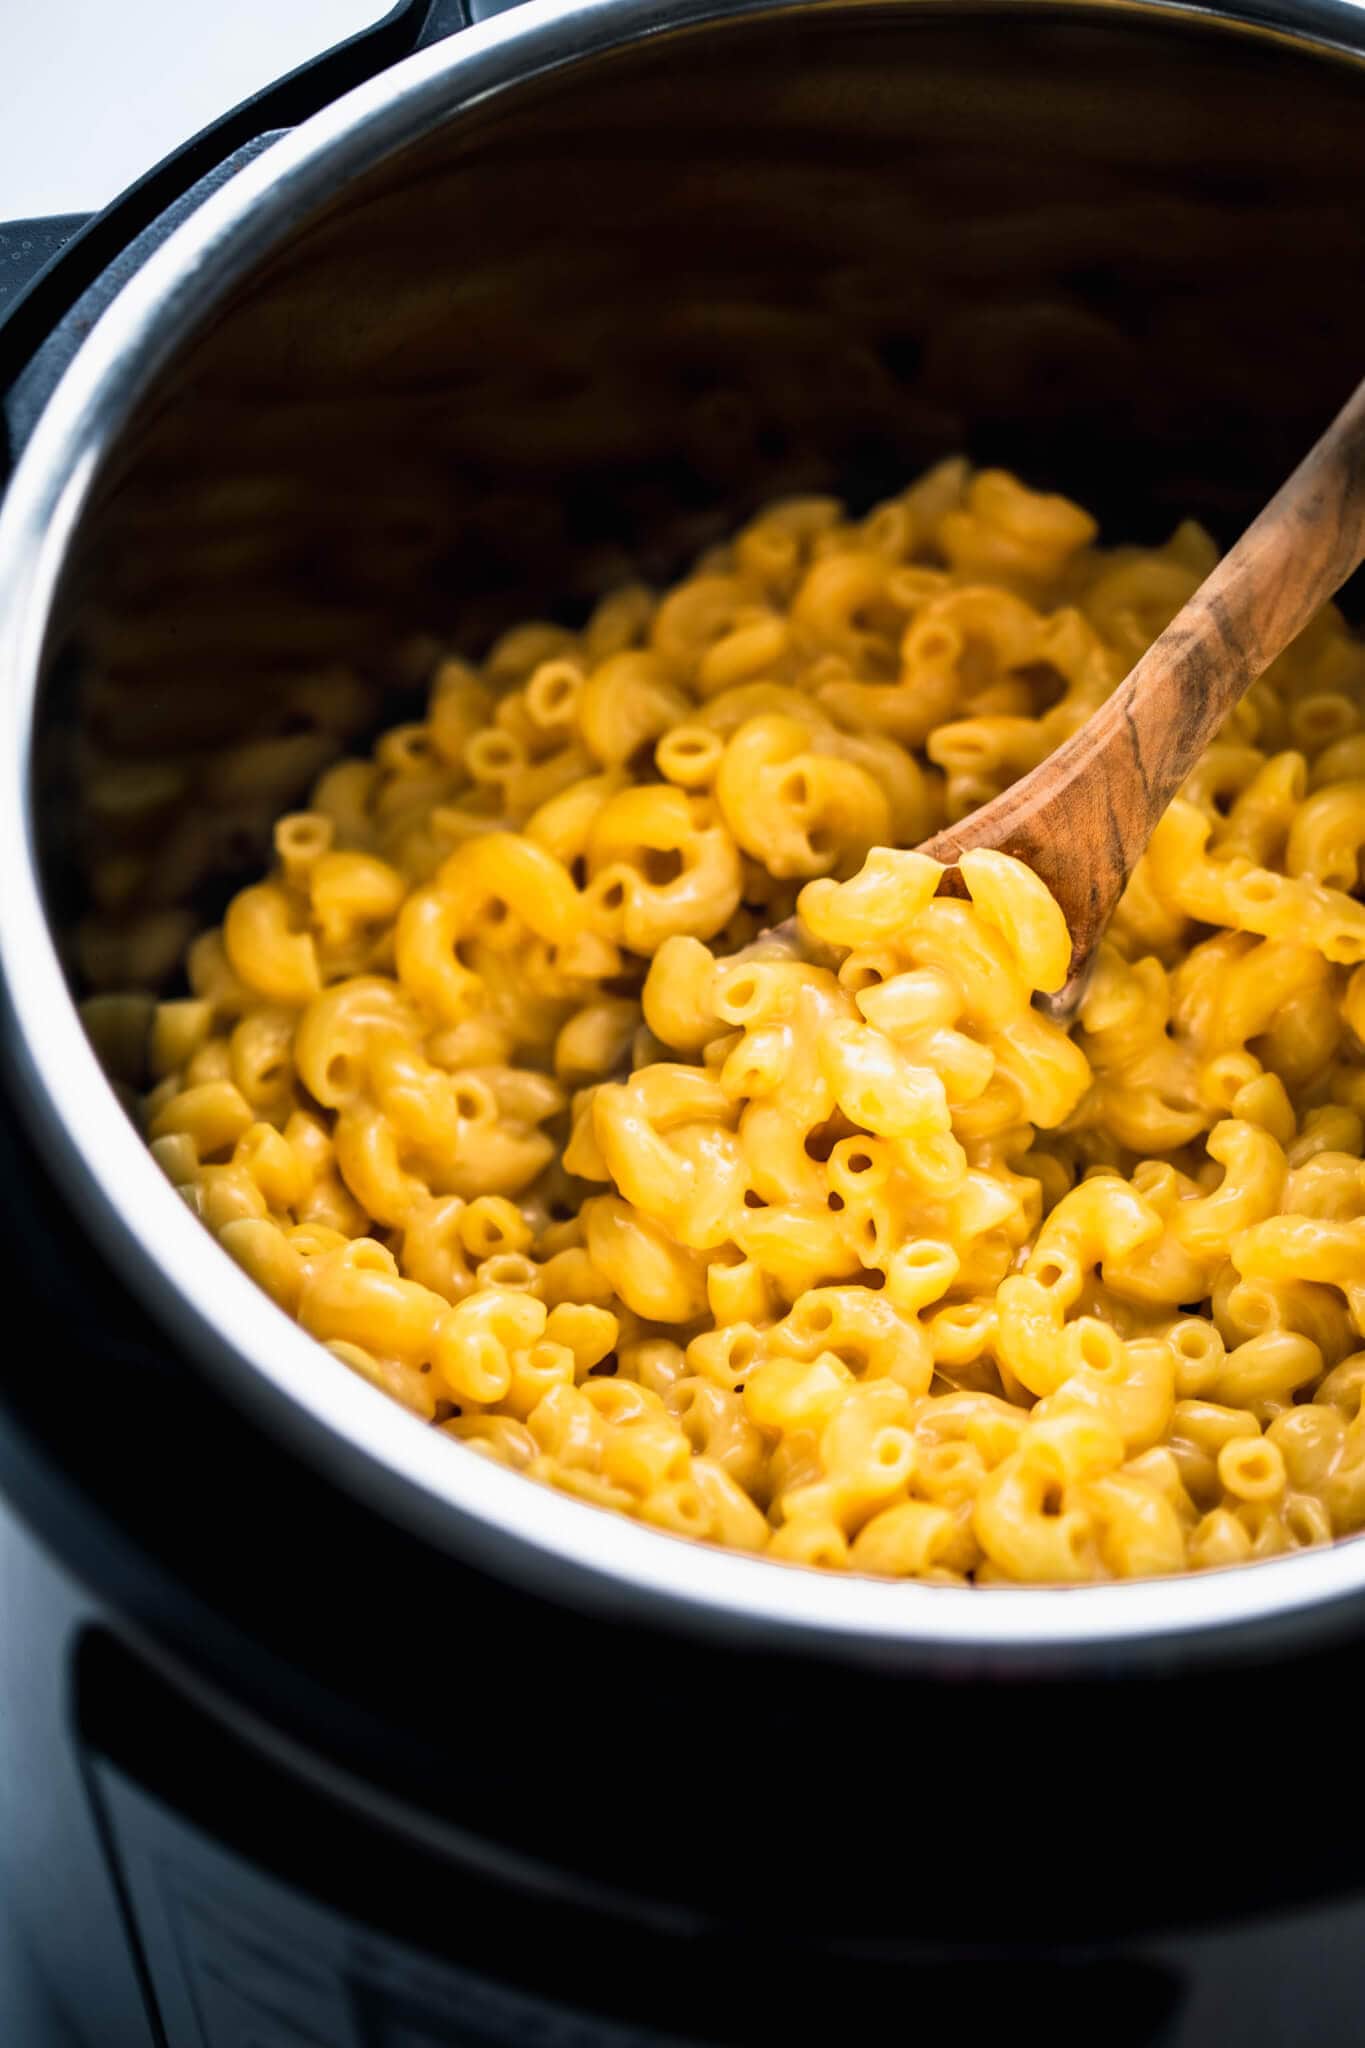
point(1082, 818)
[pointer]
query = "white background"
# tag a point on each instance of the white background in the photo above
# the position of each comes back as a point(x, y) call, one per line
point(94, 92)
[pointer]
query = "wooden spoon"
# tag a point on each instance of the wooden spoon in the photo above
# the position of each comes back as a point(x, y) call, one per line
point(1082, 818)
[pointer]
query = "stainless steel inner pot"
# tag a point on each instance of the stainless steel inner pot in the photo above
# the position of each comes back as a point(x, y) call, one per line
point(559, 301)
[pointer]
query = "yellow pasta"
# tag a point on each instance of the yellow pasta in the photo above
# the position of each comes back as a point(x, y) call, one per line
point(837, 1250)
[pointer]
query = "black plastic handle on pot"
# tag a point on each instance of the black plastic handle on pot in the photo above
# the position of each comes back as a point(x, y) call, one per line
point(27, 247)
point(57, 275)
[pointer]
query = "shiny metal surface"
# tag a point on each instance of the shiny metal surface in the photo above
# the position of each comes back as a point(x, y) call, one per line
point(563, 298)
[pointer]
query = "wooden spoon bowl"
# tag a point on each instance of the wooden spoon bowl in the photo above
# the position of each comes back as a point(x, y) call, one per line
point(1083, 817)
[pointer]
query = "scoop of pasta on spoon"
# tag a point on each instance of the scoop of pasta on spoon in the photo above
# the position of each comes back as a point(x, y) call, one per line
point(1082, 819)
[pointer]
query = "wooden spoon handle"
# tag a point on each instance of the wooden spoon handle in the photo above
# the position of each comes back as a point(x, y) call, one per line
point(1083, 817)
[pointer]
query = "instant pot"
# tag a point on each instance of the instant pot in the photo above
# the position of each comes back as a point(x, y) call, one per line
point(313, 1728)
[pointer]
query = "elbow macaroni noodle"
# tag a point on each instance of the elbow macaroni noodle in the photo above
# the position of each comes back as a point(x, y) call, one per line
point(848, 1256)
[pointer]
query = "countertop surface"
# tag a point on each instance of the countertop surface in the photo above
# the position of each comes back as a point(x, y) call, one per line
point(94, 92)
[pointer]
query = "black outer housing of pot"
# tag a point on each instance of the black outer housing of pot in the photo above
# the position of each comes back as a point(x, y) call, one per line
point(720, 1843)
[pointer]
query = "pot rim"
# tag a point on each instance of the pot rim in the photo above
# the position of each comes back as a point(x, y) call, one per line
point(561, 1548)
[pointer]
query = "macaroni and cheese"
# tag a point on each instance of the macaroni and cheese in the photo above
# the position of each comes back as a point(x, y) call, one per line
point(842, 1252)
